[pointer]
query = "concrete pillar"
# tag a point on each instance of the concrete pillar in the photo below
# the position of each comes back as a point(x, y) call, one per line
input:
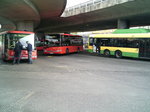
point(123, 24)
point(25, 26)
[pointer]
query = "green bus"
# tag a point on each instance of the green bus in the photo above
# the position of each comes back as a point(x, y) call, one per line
point(122, 43)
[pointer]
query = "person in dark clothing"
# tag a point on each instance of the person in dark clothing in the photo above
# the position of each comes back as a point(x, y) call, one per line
point(98, 44)
point(29, 49)
point(17, 52)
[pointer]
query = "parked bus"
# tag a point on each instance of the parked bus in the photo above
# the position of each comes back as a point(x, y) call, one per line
point(40, 45)
point(124, 42)
point(9, 39)
point(62, 43)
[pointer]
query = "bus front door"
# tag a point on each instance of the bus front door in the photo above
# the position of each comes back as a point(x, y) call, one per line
point(144, 50)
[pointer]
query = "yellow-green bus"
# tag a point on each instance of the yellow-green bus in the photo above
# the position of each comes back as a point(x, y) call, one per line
point(122, 43)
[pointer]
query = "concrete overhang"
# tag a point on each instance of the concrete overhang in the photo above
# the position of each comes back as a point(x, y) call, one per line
point(13, 11)
point(45, 14)
point(137, 12)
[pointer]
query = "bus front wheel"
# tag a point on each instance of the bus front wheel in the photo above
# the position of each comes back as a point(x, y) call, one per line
point(118, 54)
point(107, 53)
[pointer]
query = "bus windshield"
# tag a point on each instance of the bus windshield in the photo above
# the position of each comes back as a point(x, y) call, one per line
point(52, 40)
point(12, 38)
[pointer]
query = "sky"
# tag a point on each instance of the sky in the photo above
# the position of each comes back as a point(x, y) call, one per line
point(75, 2)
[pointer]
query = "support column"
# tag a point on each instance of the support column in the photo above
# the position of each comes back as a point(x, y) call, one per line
point(123, 24)
point(25, 26)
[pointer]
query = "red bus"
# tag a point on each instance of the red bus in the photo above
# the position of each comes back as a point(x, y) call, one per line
point(62, 43)
point(9, 39)
point(40, 45)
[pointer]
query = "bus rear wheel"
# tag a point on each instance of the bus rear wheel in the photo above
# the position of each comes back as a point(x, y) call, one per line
point(118, 54)
point(107, 53)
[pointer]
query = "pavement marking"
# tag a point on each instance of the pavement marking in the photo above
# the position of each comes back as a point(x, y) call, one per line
point(49, 56)
point(18, 104)
point(59, 66)
point(25, 97)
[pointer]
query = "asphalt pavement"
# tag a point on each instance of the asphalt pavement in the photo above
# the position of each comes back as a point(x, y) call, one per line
point(75, 83)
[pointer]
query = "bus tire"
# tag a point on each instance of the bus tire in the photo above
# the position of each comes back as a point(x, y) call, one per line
point(107, 53)
point(118, 54)
point(67, 51)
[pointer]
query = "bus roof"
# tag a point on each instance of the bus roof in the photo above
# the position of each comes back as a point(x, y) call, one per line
point(71, 35)
point(66, 34)
point(25, 32)
point(125, 31)
point(143, 35)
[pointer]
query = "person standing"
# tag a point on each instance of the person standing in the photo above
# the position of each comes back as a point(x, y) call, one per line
point(29, 49)
point(98, 45)
point(17, 52)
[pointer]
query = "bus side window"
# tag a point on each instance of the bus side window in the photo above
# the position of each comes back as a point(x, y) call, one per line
point(63, 40)
point(121, 42)
point(66, 40)
point(132, 43)
point(6, 41)
point(106, 42)
point(117, 42)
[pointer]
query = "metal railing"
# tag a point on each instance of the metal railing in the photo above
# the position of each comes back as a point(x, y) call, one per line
point(91, 6)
